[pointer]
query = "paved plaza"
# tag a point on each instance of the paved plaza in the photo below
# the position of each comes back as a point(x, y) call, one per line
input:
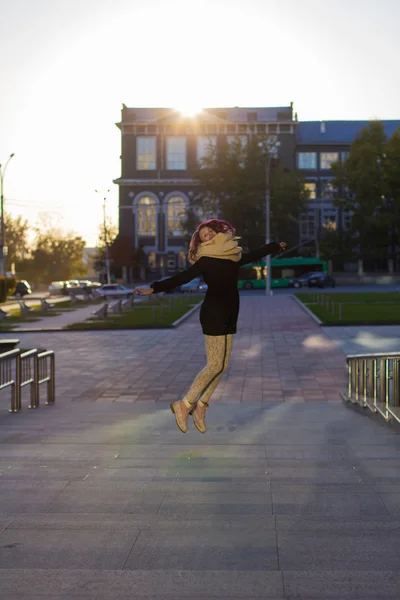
point(289, 494)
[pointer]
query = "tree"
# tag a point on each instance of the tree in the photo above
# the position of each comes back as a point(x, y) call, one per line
point(16, 231)
point(108, 233)
point(233, 186)
point(55, 255)
point(368, 183)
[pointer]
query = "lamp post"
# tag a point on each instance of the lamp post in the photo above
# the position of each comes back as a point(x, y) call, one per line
point(2, 257)
point(105, 238)
point(270, 146)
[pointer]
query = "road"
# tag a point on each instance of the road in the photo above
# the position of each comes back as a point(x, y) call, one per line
point(337, 290)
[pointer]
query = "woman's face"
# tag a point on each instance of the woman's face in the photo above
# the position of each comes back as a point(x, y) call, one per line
point(206, 234)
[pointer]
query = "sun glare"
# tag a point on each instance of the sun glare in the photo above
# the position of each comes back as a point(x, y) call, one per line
point(189, 111)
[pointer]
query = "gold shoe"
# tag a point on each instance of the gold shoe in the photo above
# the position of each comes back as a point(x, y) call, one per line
point(199, 415)
point(181, 410)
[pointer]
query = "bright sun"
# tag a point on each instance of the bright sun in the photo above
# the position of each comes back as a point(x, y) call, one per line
point(189, 111)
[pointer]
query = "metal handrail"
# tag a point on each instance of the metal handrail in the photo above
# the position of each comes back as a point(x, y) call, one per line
point(374, 383)
point(7, 378)
point(16, 372)
point(27, 375)
point(45, 373)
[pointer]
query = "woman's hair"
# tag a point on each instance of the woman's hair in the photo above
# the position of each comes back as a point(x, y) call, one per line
point(217, 225)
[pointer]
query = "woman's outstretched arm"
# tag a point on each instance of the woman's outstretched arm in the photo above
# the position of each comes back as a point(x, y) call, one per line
point(176, 280)
point(258, 253)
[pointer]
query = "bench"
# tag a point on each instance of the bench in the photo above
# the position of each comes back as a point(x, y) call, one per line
point(24, 309)
point(101, 313)
point(116, 308)
point(46, 305)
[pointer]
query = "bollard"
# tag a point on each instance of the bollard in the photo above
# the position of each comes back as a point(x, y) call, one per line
point(340, 311)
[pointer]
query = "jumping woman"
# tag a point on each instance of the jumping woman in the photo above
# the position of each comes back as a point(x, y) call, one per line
point(215, 255)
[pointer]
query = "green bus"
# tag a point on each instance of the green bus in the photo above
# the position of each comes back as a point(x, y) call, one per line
point(282, 271)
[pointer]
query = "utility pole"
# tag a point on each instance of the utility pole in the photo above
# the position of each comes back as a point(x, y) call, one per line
point(2, 244)
point(271, 146)
point(107, 260)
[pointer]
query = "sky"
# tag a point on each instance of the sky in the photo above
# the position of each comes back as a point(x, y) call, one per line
point(68, 65)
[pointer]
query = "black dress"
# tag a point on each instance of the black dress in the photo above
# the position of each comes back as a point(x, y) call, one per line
point(220, 309)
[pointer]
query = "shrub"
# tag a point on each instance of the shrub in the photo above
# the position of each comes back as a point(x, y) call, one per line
point(7, 287)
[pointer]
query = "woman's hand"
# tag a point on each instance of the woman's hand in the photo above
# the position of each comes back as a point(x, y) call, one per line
point(283, 245)
point(143, 291)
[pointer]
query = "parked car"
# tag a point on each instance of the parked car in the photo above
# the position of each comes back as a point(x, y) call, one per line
point(23, 288)
point(196, 285)
point(58, 288)
point(315, 279)
point(113, 290)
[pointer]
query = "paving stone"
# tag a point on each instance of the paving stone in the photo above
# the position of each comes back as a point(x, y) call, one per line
point(331, 503)
point(195, 549)
point(176, 583)
point(338, 550)
point(55, 549)
point(348, 584)
point(115, 497)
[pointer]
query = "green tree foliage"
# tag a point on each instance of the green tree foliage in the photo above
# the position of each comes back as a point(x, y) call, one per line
point(368, 183)
point(233, 186)
point(16, 231)
point(55, 255)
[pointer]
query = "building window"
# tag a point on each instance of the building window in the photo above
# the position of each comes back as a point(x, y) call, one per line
point(345, 156)
point(146, 153)
point(327, 159)
point(329, 221)
point(147, 216)
point(176, 153)
point(311, 189)
point(176, 216)
point(205, 146)
point(307, 226)
point(152, 261)
point(307, 160)
point(181, 260)
point(231, 139)
point(347, 218)
point(327, 190)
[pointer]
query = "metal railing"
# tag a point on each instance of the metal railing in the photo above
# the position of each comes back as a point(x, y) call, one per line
point(45, 373)
point(374, 383)
point(31, 368)
point(9, 362)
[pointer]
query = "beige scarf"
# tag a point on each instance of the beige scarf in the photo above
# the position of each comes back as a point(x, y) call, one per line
point(223, 245)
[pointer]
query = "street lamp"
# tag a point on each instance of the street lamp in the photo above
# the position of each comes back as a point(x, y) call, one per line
point(105, 237)
point(2, 257)
point(270, 146)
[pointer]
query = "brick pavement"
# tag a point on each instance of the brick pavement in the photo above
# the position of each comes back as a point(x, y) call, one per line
point(104, 498)
point(279, 354)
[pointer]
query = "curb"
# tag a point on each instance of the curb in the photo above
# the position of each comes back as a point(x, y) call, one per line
point(186, 315)
point(307, 310)
point(133, 328)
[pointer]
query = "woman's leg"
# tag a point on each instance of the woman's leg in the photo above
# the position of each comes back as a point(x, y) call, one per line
point(218, 355)
point(223, 366)
point(218, 350)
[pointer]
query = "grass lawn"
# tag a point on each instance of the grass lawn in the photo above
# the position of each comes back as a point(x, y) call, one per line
point(155, 313)
point(307, 297)
point(37, 313)
point(355, 308)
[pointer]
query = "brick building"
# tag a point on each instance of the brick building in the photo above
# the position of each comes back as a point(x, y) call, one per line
point(161, 150)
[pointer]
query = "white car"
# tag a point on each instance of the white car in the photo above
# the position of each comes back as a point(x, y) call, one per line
point(196, 285)
point(114, 290)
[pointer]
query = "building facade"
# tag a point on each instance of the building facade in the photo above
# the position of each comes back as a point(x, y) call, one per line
point(318, 145)
point(161, 150)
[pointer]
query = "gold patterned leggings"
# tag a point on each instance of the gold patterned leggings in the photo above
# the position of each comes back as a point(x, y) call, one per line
point(218, 350)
